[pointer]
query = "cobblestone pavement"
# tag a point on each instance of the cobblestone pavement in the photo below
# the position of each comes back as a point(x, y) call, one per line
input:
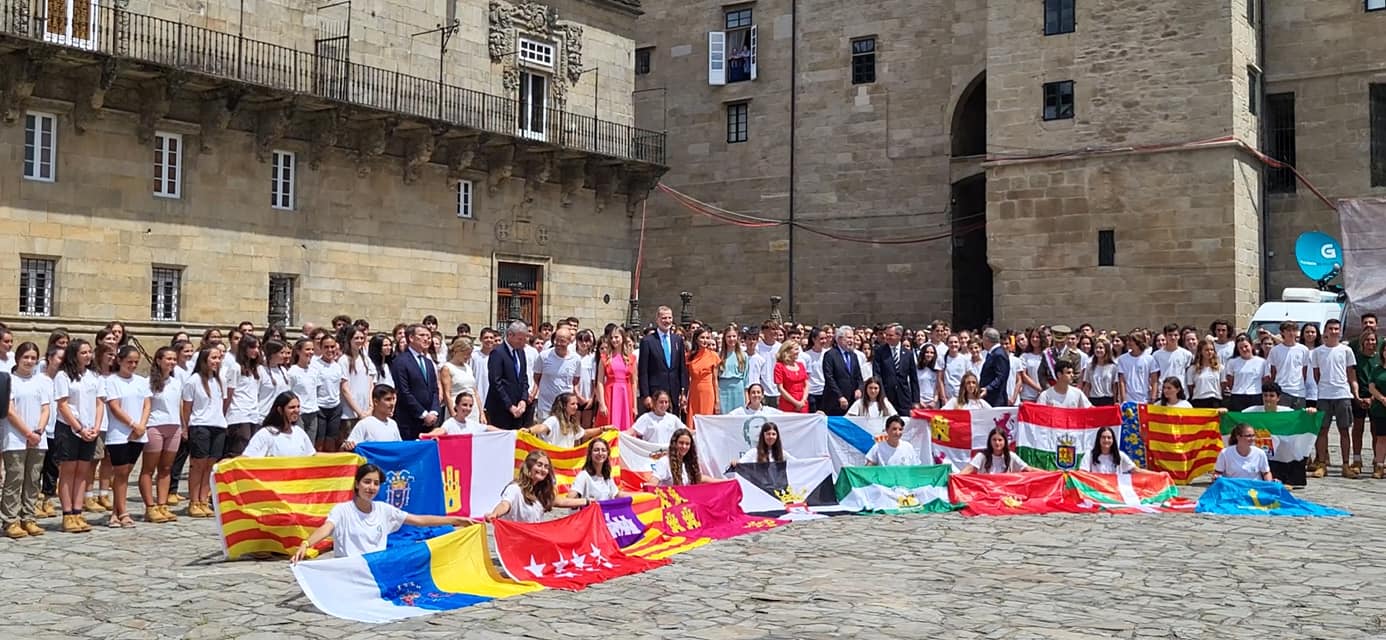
point(1057, 576)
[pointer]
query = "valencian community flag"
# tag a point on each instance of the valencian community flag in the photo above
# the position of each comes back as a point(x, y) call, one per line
point(1006, 494)
point(1181, 442)
point(1058, 438)
point(443, 573)
point(271, 505)
point(566, 461)
point(568, 553)
point(1126, 492)
point(475, 469)
point(1245, 497)
point(894, 490)
point(954, 435)
point(790, 490)
point(1286, 436)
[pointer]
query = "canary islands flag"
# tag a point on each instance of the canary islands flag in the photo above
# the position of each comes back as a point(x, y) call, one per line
point(440, 574)
point(1245, 497)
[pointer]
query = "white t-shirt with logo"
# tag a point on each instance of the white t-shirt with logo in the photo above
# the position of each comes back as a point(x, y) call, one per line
point(1173, 363)
point(556, 374)
point(355, 533)
point(1011, 463)
point(1105, 464)
point(1136, 371)
point(1332, 364)
point(520, 511)
point(270, 443)
point(82, 396)
point(207, 403)
point(594, 488)
point(29, 395)
point(1071, 398)
point(1247, 375)
point(373, 429)
point(656, 429)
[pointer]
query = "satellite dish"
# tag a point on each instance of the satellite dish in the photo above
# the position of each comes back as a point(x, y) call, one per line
point(1318, 254)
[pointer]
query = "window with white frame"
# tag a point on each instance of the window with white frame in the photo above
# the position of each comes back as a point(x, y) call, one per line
point(282, 180)
point(464, 199)
point(164, 287)
point(281, 298)
point(168, 165)
point(536, 53)
point(36, 286)
point(534, 89)
point(731, 53)
point(40, 144)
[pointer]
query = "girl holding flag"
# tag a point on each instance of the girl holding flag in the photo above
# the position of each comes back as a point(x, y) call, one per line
point(594, 481)
point(533, 493)
point(997, 457)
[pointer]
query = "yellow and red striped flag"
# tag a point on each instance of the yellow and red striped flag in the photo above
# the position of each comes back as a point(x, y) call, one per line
point(566, 461)
point(655, 544)
point(271, 505)
point(1182, 442)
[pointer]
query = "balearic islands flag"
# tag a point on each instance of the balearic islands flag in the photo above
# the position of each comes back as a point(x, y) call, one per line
point(568, 553)
point(894, 490)
point(1058, 438)
point(786, 490)
point(1286, 436)
point(447, 572)
point(271, 505)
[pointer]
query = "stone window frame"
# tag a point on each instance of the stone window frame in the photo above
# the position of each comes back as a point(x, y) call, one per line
point(165, 292)
point(282, 285)
point(1060, 9)
point(34, 165)
point(1254, 80)
point(1106, 247)
point(36, 285)
point(864, 52)
point(466, 199)
point(166, 145)
point(533, 52)
point(283, 174)
point(738, 122)
point(644, 60)
point(1056, 91)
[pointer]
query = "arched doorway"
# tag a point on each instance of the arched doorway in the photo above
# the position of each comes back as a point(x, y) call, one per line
point(972, 276)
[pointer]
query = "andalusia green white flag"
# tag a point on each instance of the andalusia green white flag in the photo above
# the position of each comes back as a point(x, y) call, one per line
point(892, 490)
point(1286, 436)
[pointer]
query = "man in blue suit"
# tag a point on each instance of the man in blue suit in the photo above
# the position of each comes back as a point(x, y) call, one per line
point(507, 375)
point(996, 370)
point(661, 363)
point(416, 385)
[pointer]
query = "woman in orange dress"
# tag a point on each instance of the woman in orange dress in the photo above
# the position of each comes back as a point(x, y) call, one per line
point(615, 385)
point(702, 375)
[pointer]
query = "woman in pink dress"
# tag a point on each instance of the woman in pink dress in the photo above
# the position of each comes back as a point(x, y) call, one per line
point(616, 382)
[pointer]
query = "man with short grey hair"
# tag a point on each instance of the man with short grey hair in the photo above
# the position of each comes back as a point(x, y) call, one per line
point(995, 370)
point(507, 405)
point(842, 377)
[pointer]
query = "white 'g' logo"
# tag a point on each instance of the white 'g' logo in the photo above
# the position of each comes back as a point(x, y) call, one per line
point(1329, 251)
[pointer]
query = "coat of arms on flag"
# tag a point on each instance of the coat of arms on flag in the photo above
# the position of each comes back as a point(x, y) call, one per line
point(1066, 453)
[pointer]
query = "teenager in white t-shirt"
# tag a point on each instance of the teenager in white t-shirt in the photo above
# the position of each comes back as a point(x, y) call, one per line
point(996, 458)
point(1063, 393)
point(364, 525)
point(31, 400)
point(563, 428)
point(79, 394)
point(681, 465)
point(281, 437)
point(872, 403)
point(1241, 458)
point(330, 376)
point(303, 381)
point(1106, 457)
point(379, 426)
point(1138, 375)
point(241, 376)
point(594, 481)
point(1244, 375)
point(1100, 377)
point(465, 419)
point(533, 493)
point(657, 425)
point(1173, 361)
point(129, 403)
point(894, 451)
point(1335, 370)
point(1288, 364)
point(755, 404)
point(204, 411)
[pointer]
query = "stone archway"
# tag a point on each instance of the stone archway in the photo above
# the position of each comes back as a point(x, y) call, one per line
point(973, 302)
point(969, 130)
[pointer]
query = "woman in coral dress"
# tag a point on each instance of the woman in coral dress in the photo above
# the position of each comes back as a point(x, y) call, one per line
point(791, 376)
point(616, 382)
point(702, 375)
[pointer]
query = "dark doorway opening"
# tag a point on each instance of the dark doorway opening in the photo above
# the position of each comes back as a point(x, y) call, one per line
point(970, 120)
point(972, 277)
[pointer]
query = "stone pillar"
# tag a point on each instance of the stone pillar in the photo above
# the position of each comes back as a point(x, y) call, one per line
point(633, 321)
point(686, 311)
point(775, 315)
point(515, 288)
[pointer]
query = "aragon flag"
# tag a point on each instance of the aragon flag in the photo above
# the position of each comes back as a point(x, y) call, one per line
point(568, 553)
point(792, 490)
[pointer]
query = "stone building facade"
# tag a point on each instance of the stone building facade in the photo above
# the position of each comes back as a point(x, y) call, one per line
point(157, 169)
point(1058, 160)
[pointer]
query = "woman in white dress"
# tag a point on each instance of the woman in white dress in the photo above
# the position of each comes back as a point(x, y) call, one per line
point(594, 481)
point(997, 457)
point(533, 493)
point(281, 437)
point(363, 525)
point(456, 374)
point(872, 403)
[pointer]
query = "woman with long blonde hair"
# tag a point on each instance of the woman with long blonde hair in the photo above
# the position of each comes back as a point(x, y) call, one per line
point(1205, 376)
point(731, 373)
point(616, 378)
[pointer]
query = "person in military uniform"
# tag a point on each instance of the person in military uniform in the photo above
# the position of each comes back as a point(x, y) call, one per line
point(1060, 351)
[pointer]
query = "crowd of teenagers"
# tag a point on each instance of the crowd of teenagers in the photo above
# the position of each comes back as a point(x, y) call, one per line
point(82, 414)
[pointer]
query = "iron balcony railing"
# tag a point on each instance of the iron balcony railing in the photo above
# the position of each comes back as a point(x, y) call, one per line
point(116, 32)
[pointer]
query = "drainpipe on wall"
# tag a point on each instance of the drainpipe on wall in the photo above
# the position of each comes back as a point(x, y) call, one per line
point(793, 107)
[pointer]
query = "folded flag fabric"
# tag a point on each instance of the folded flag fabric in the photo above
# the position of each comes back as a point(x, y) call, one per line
point(793, 490)
point(710, 510)
point(652, 543)
point(566, 461)
point(1181, 442)
point(1058, 438)
point(637, 461)
point(568, 553)
point(722, 439)
point(443, 573)
point(1245, 497)
point(1132, 442)
point(1286, 436)
point(475, 470)
point(271, 505)
point(895, 490)
point(1126, 492)
point(954, 435)
point(623, 521)
point(851, 438)
point(1006, 494)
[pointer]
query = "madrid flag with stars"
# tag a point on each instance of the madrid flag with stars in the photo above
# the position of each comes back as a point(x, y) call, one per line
point(568, 553)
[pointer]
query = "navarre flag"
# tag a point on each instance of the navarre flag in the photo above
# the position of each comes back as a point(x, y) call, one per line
point(1005, 494)
point(1246, 497)
point(954, 435)
point(793, 490)
point(637, 462)
point(1132, 441)
point(722, 439)
point(565, 462)
point(1181, 442)
point(894, 490)
point(568, 553)
point(1286, 436)
point(711, 510)
point(1057, 437)
point(443, 573)
point(475, 470)
point(1126, 492)
point(271, 505)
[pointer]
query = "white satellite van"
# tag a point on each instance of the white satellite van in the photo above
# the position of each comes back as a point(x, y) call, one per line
point(1301, 305)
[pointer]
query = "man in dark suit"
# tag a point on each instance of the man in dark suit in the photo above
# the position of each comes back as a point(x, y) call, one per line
point(507, 375)
point(416, 385)
point(661, 363)
point(996, 370)
point(895, 366)
point(841, 375)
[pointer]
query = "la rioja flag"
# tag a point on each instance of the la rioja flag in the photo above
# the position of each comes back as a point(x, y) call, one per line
point(568, 553)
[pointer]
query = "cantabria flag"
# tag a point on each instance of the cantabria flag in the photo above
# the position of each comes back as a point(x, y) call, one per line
point(1057, 438)
point(895, 490)
point(1286, 436)
point(953, 436)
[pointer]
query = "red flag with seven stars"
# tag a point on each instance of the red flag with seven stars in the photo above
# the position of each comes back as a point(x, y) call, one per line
point(568, 553)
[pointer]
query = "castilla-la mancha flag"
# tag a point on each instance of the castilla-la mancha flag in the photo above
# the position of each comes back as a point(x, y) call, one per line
point(568, 553)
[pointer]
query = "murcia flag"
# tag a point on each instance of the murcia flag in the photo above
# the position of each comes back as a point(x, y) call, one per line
point(894, 490)
point(793, 490)
point(1058, 438)
point(439, 574)
point(568, 553)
